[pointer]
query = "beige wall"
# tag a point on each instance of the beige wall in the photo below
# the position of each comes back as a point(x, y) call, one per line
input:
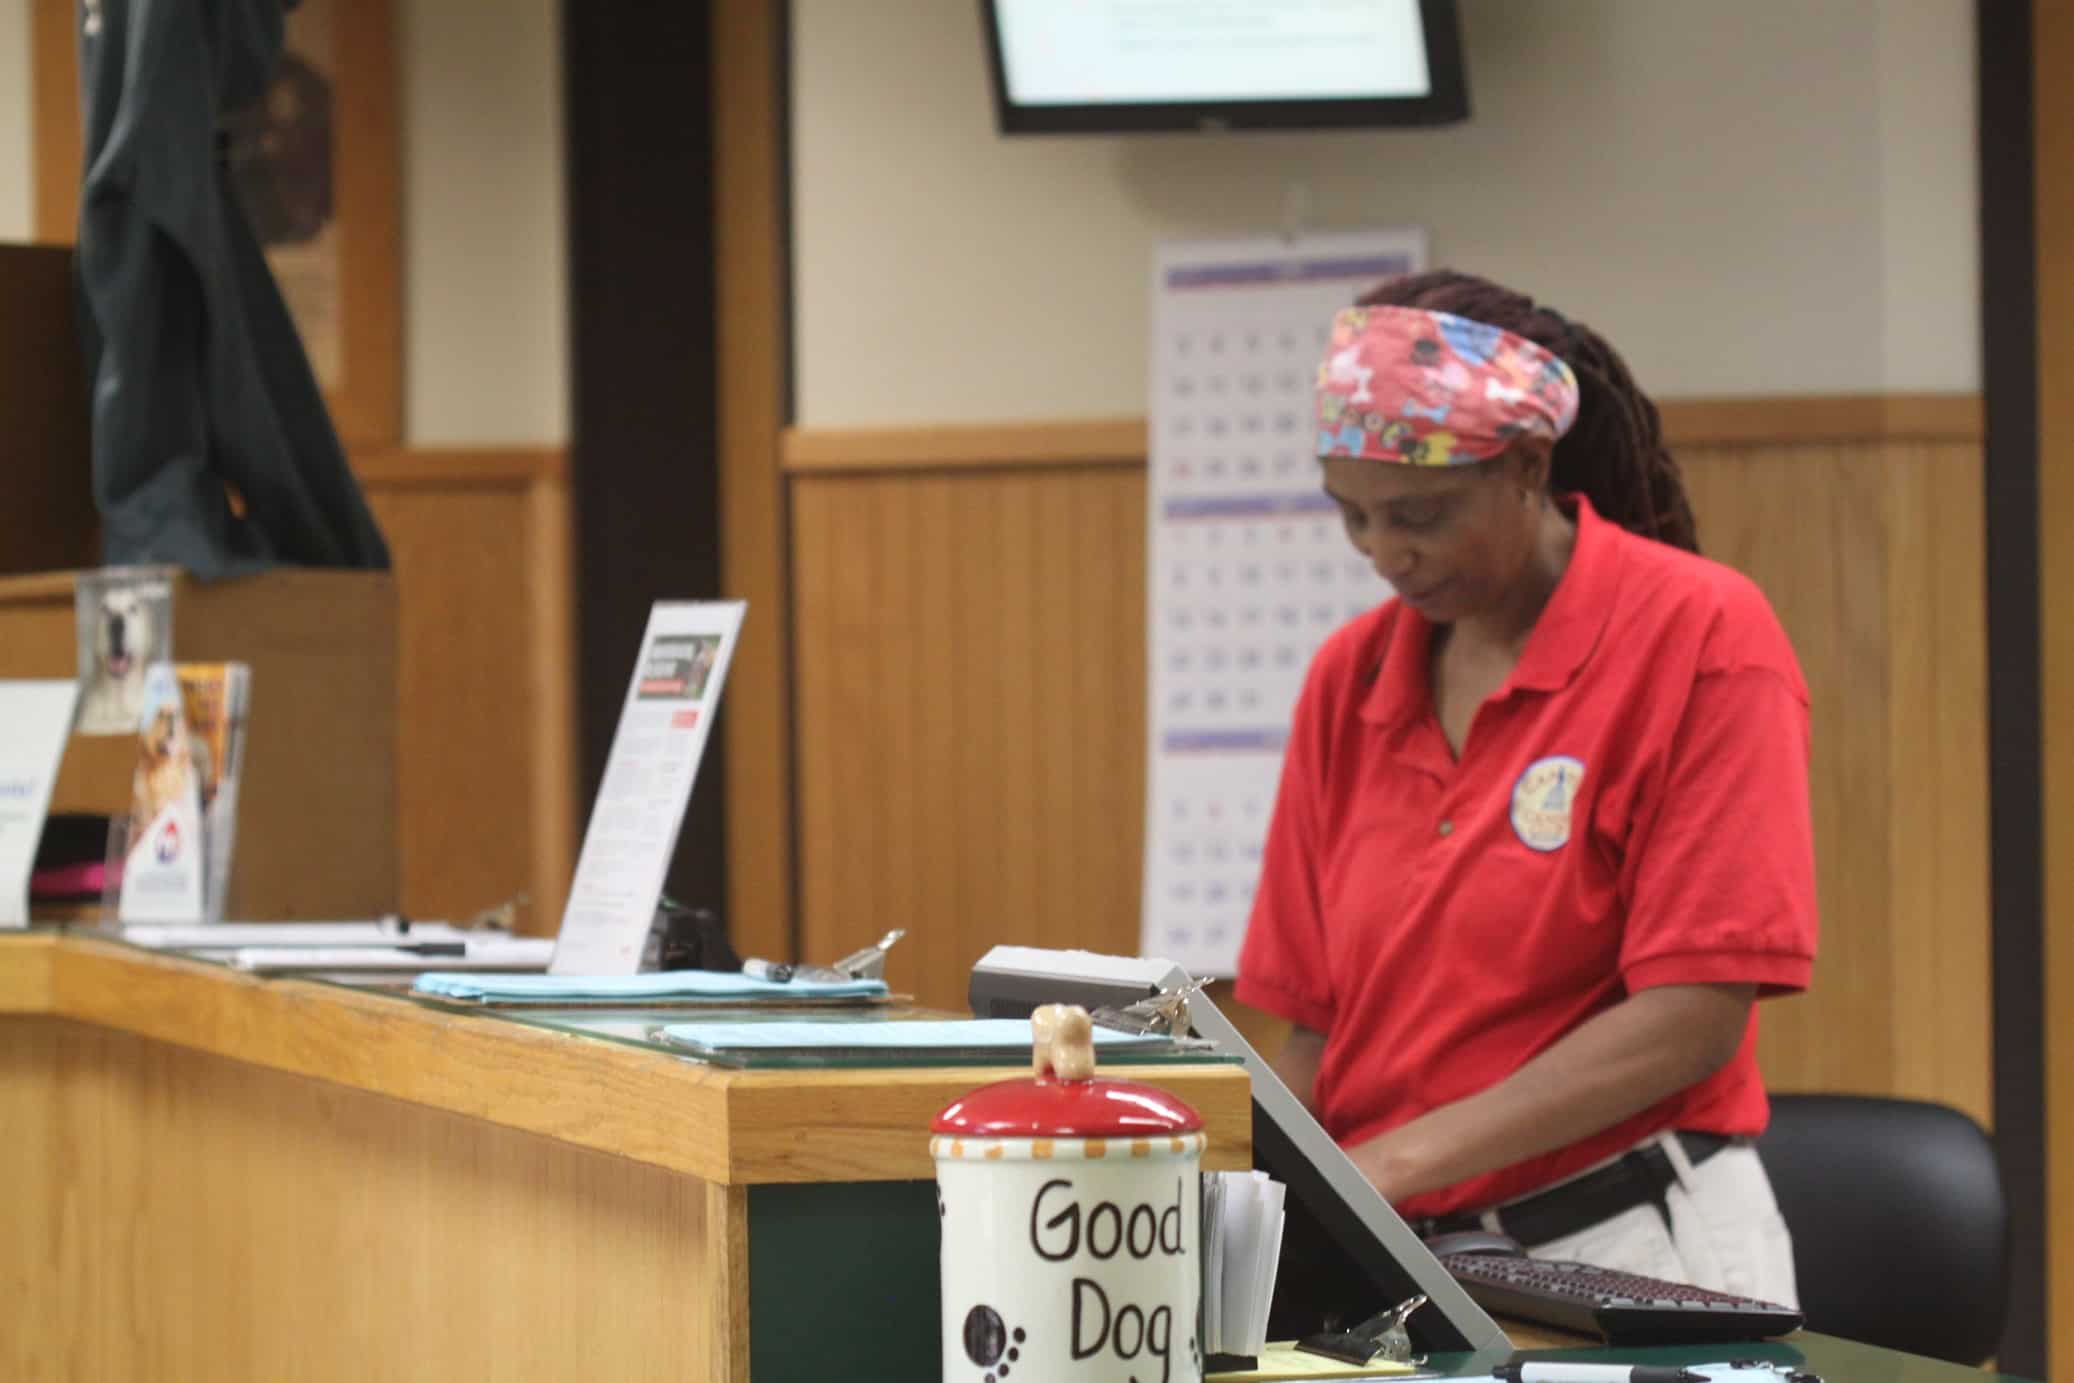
point(1764, 198)
point(1930, 194)
point(16, 210)
point(485, 316)
point(485, 283)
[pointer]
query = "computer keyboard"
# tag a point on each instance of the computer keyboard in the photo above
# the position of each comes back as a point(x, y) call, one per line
point(1623, 1308)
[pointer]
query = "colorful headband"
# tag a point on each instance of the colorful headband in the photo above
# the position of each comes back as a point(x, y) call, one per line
point(1433, 389)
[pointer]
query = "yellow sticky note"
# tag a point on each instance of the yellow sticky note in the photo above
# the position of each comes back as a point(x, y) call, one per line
point(1285, 1360)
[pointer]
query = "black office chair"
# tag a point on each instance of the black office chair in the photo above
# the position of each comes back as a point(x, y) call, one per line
point(1898, 1219)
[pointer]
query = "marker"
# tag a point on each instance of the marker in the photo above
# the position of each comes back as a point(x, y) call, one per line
point(1537, 1372)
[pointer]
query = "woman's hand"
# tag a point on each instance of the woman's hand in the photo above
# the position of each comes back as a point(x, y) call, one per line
point(1644, 1049)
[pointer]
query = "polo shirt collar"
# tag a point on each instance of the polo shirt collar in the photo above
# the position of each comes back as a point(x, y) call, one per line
point(1562, 641)
point(1569, 629)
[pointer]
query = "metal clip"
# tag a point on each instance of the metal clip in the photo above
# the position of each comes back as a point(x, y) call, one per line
point(1786, 1373)
point(1382, 1337)
point(1164, 1013)
point(501, 918)
point(870, 962)
point(1393, 1340)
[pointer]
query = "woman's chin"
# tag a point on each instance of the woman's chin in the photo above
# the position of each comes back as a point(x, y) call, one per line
point(1435, 604)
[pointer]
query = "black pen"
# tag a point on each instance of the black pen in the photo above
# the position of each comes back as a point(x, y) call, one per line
point(1550, 1371)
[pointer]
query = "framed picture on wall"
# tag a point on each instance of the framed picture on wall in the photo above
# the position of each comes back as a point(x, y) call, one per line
point(314, 166)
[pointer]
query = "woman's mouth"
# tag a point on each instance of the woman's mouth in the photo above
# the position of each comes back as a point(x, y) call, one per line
point(1423, 597)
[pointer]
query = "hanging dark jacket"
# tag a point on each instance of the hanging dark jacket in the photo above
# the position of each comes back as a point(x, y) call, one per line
point(199, 382)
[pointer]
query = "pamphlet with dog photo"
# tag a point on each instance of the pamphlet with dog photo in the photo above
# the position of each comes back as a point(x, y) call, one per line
point(214, 696)
point(125, 617)
point(162, 874)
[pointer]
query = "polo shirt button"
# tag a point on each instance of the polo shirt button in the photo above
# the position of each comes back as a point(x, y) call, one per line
point(1447, 828)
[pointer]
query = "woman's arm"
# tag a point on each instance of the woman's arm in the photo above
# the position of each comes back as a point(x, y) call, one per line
point(1645, 1048)
point(1296, 1065)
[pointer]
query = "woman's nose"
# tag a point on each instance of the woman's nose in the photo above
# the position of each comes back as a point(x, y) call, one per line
point(1393, 559)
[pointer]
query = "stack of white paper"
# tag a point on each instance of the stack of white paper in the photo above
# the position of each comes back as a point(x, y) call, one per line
point(1242, 1247)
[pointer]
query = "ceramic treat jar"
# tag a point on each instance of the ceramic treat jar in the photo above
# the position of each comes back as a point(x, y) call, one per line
point(1070, 1209)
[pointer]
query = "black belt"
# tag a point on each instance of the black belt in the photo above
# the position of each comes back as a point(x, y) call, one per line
point(1642, 1176)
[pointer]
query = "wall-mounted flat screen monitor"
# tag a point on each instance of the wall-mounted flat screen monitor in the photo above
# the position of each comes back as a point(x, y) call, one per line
point(1114, 66)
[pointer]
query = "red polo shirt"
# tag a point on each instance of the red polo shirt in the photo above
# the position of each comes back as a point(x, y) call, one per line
point(1630, 809)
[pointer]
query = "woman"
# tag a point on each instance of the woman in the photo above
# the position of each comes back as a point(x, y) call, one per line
point(1542, 838)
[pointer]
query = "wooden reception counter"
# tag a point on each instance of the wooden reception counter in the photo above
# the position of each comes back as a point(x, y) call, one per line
point(209, 1175)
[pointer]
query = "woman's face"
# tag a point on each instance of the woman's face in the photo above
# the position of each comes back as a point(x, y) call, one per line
point(1454, 541)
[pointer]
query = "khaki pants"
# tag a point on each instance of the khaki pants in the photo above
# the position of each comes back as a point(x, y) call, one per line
point(1725, 1231)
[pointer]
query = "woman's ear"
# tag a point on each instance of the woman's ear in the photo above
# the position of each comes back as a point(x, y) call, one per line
point(1527, 465)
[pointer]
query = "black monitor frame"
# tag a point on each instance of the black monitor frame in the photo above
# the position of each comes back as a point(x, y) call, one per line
point(1446, 103)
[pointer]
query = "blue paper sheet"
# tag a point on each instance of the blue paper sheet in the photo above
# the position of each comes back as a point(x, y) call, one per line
point(683, 985)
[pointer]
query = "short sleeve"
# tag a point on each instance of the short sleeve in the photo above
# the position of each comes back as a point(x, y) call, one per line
point(1282, 966)
point(1719, 883)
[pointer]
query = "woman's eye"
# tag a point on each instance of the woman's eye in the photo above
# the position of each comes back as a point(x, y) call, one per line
point(1354, 517)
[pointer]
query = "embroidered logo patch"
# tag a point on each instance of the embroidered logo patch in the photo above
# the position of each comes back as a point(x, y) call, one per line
point(1542, 799)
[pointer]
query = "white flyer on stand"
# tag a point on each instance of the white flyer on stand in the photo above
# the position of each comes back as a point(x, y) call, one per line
point(1249, 568)
point(35, 722)
point(655, 756)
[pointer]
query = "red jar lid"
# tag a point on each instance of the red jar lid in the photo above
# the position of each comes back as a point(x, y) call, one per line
point(1045, 1107)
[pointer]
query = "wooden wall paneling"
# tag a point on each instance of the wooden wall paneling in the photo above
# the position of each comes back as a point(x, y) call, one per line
point(366, 400)
point(971, 743)
point(557, 818)
point(751, 306)
point(837, 670)
point(58, 154)
point(321, 754)
point(1800, 420)
point(1872, 557)
point(1937, 755)
point(463, 777)
point(726, 1254)
point(1059, 648)
point(818, 826)
point(980, 781)
point(863, 773)
point(486, 733)
point(1020, 736)
point(184, 1216)
point(966, 446)
point(938, 817)
point(1804, 524)
point(887, 666)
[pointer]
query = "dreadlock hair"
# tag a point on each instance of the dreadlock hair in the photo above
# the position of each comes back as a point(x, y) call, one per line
point(1614, 453)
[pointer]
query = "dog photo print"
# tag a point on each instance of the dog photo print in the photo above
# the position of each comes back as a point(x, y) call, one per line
point(125, 625)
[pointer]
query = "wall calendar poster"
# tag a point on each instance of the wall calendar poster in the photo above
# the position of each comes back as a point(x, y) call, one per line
point(1250, 567)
